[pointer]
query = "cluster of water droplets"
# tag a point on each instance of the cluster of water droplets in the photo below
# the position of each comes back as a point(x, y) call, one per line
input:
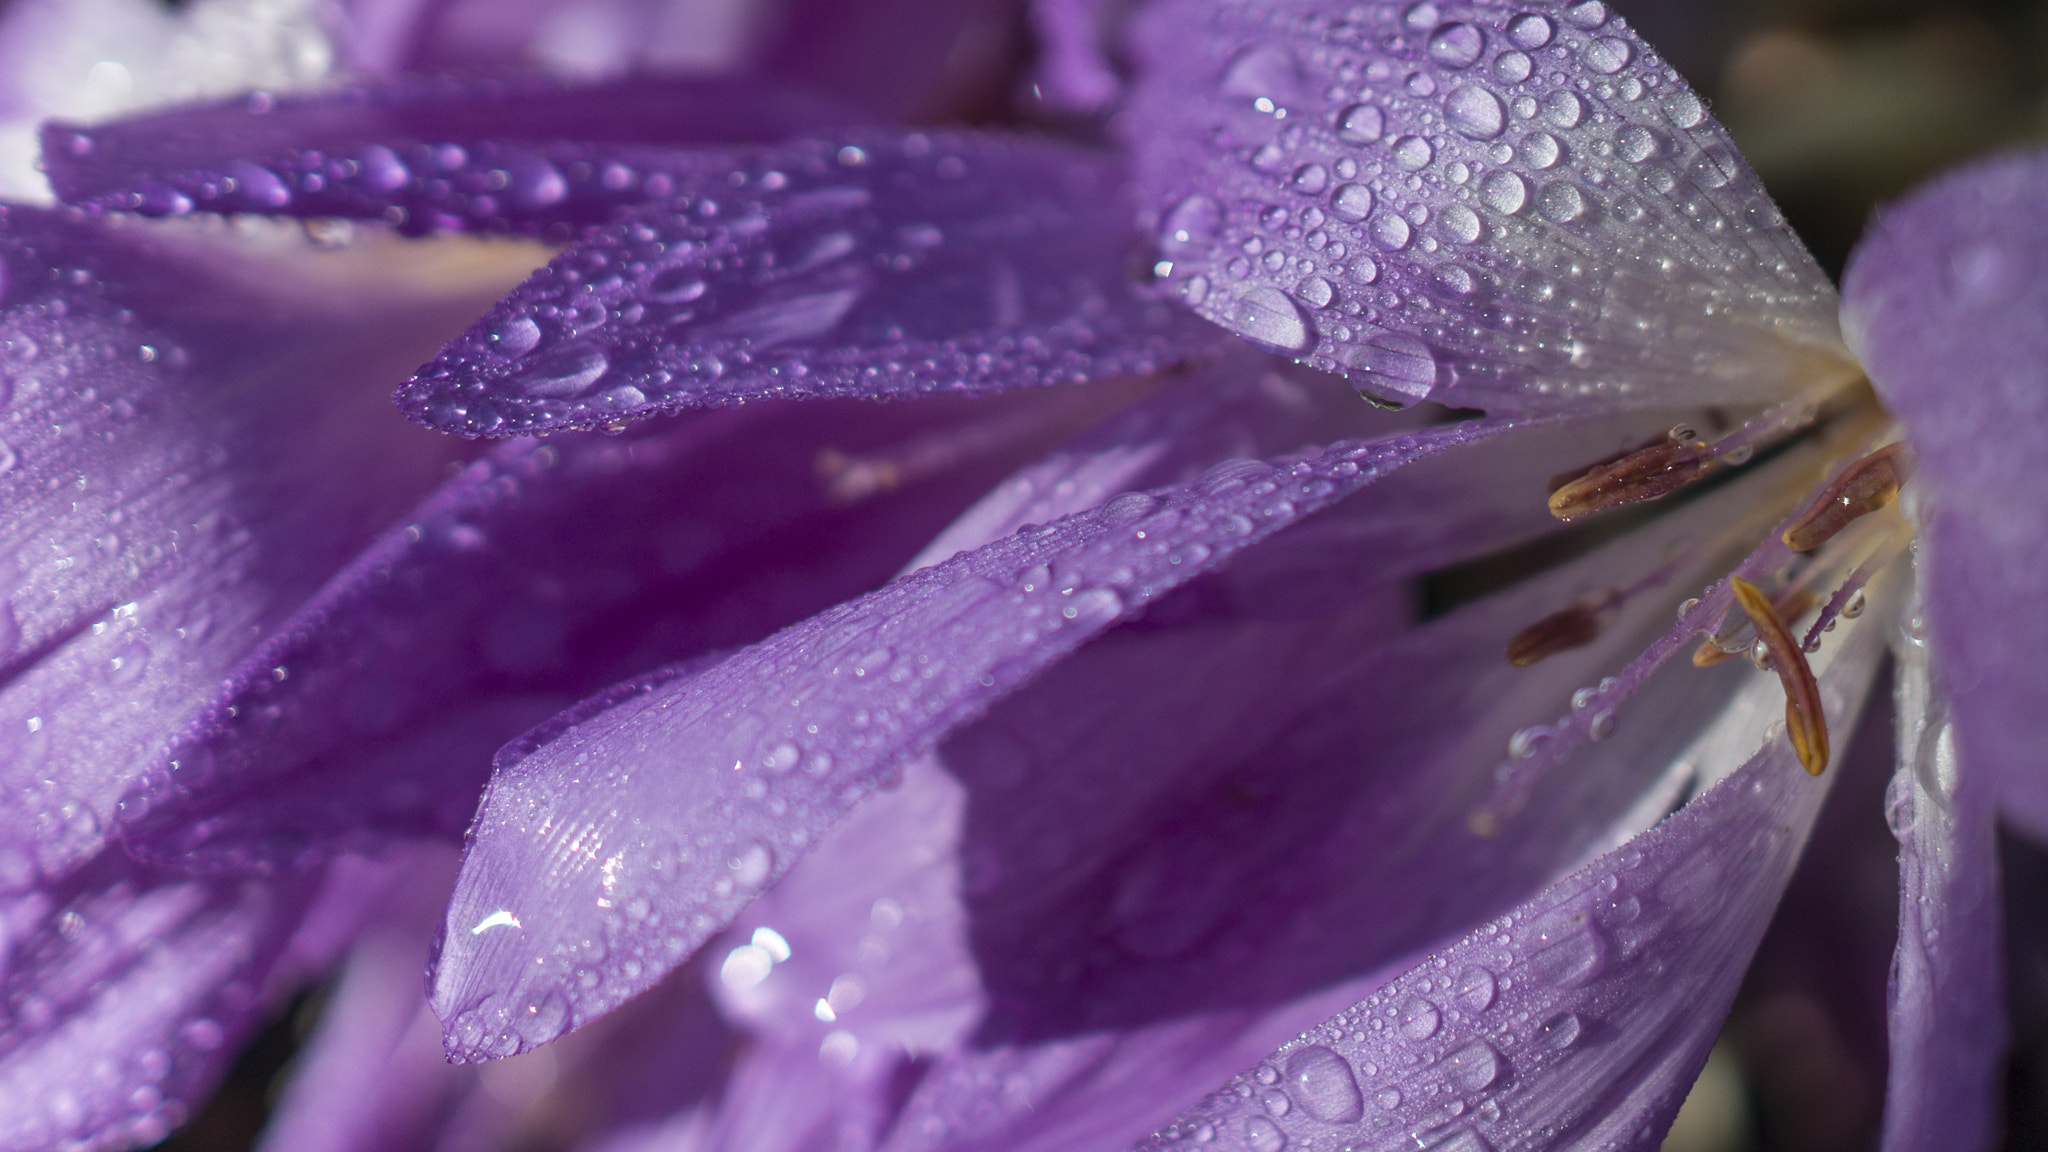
point(877, 265)
point(1476, 203)
point(1495, 1041)
point(594, 870)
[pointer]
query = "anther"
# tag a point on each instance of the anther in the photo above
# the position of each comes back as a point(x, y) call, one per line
point(1863, 487)
point(1645, 474)
point(1573, 626)
point(1790, 604)
point(1805, 722)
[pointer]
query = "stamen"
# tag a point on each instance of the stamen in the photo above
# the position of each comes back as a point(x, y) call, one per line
point(1645, 474)
point(1805, 721)
point(1862, 488)
point(1790, 603)
point(1574, 626)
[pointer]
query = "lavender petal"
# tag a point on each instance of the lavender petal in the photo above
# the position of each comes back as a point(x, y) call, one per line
point(1581, 1015)
point(1946, 1080)
point(869, 265)
point(1944, 302)
point(1469, 203)
point(539, 575)
point(527, 154)
point(560, 856)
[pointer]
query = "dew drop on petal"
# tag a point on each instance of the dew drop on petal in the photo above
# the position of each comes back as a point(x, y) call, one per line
point(1352, 201)
point(1530, 30)
point(1456, 45)
point(1266, 315)
point(1475, 112)
point(1323, 1082)
point(1362, 123)
point(1504, 192)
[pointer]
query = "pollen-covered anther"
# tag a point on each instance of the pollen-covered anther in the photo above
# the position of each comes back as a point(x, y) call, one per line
point(1644, 474)
point(1863, 487)
point(1805, 722)
point(1573, 626)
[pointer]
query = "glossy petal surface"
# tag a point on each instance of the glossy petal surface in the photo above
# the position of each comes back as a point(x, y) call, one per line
point(529, 154)
point(585, 854)
point(1945, 300)
point(1470, 203)
point(881, 266)
point(1580, 1017)
point(170, 485)
point(125, 992)
point(1948, 1022)
point(543, 573)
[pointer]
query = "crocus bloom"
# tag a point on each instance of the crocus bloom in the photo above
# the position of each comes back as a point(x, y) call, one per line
point(1145, 761)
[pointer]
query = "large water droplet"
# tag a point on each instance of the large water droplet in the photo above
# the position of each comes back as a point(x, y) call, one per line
point(1530, 30)
point(1323, 1082)
point(1456, 45)
point(1413, 153)
point(1541, 149)
point(514, 336)
point(1311, 178)
point(1608, 55)
point(1562, 202)
point(1504, 192)
point(1352, 201)
point(1190, 226)
point(1475, 989)
point(1473, 111)
point(1513, 67)
point(1417, 1018)
point(1267, 315)
point(1572, 961)
point(1270, 71)
point(1460, 225)
point(1262, 1135)
point(1564, 109)
point(567, 372)
point(1392, 232)
point(542, 1019)
point(1473, 1067)
point(1361, 123)
point(1315, 292)
point(1636, 143)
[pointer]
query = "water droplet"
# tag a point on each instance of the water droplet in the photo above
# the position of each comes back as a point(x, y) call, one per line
point(1388, 1098)
point(1636, 143)
point(1323, 1082)
point(1854, 605)
point(781, 758)
point(1564, 109)
point(1262, 1135)
point(1361, 123)
point(1475, 989)
point(1315, 292)
point(1541, 149)
point(1269, 317)
point(1456, 45)
point(1311, 178)
point(1608, 55)
point(751, 866)
point(1413, 153)
point(1588, 14)
point(1190, 226)
point(1602, 726)
point(1352, 201)
point(1475, 112)
point(1364, 270)
point(1268, 71)
point(1276, 1103)
point(1530, 30)
point(1473, 1067)
point(380, 169)
point(1685, 109)
point(1504, 192)
point(1513, 67)
point(1572, 961)
point(1392, 232)
point(542, 1019)
point(1417, 1018)
point(1561, 1030)
point(1460, 225)
point(514, 336)
point(1562, 202)
point(566, 372)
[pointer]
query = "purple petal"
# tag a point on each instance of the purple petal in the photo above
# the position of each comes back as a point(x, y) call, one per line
point(542, 574)
point(179, 470)
point(1947, 1084)
point(1582, 1015)
point(527, 154)
point(578, 37)
point(1074, 72)
point(874, 266)
point(590, 837)
point(903, 60)
point(127, 992)
point(1341, 767)
point(1944, 300)
point(1468, 203)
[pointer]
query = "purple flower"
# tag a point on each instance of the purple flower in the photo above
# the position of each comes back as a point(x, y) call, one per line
point(1013, 765)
